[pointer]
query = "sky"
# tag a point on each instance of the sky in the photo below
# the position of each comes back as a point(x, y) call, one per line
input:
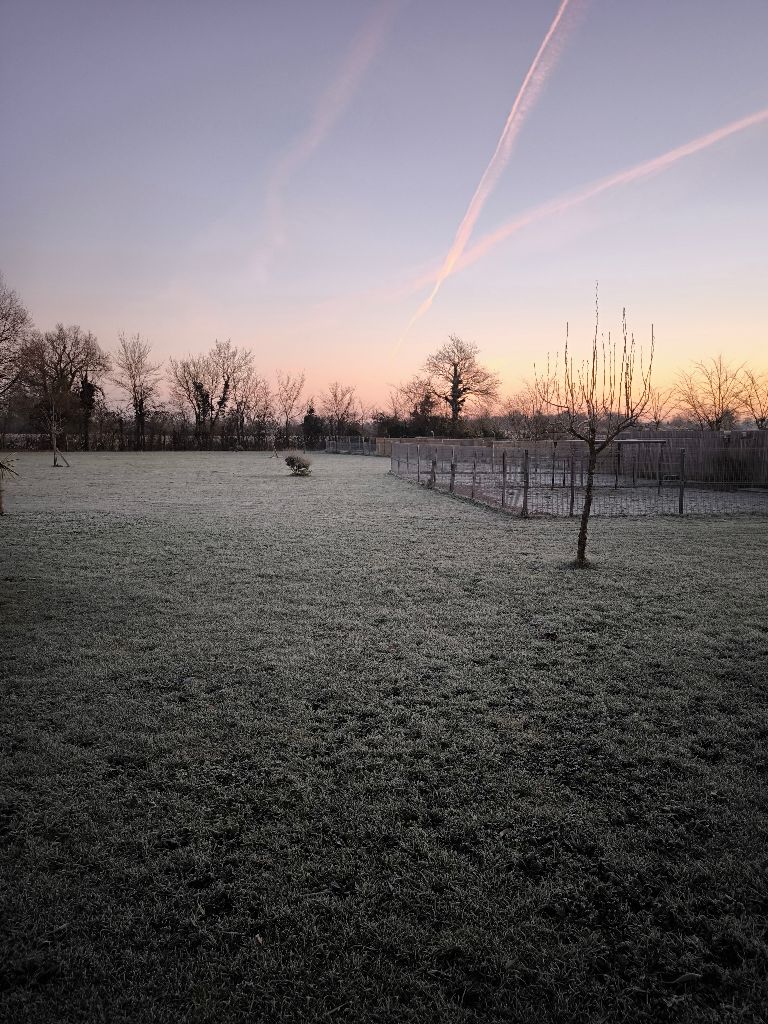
point(340, 186)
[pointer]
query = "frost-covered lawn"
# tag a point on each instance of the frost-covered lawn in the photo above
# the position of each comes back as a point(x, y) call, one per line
point(342, 749)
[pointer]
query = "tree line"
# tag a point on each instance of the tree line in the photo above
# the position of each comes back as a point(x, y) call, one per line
point(56, 383)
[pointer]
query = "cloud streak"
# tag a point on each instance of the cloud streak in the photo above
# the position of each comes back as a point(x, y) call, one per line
point(566, 202)
point(542, 65)
point(330, 107)
point(627, 177)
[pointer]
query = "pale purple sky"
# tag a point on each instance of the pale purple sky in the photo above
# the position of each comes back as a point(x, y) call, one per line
point(281, 173)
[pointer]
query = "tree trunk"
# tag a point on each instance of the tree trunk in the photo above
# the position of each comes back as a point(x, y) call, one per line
point(54, 446)
point(139, 417)
point(581, 550)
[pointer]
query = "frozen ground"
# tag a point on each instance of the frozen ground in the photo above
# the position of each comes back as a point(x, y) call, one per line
point(339, 748)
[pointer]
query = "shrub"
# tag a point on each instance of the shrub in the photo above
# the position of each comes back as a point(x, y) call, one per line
point(298, 465)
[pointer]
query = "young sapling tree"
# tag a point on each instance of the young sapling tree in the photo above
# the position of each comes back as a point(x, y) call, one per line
point(598, 398)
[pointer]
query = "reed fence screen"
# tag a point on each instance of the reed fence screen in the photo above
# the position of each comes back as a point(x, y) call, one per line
point(635, 476)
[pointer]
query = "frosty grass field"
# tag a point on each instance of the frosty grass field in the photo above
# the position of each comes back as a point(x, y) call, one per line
point(342, 749)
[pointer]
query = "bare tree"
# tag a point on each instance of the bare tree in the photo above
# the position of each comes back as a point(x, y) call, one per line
point(252, 405)
point(6, 469)
point(61, 368)
point(527, 420)
point(661, 402)
point(339, 406)
point(418, 402)
point(15, 326)
point(364, 414)
point(754, 397)
point(398, 408)
point(710, 393)
point(138, 378)
point(289, 389)
point(203, 384)
point(598, 398)
point(457, 376)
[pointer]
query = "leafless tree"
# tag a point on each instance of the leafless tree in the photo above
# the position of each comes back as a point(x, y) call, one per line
point(457, 376)
point(62, 368)
point(289, 389)
point(754, 396)
point(599, 398)
point(203, 384)
point(525, 418)
point(15, 327)
point(398, 408)
point(138, 378)
point(710, 393)
point(661, 403)
point(416, 400)
point(6, 469)
point(339, 406)
point(415, 394)
point(364, 414)
point(252, 405)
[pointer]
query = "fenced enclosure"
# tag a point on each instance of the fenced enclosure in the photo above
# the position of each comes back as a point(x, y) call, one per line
point(351, 445)
point(635, 476)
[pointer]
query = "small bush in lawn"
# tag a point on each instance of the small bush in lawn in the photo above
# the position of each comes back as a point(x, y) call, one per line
point(298, 465)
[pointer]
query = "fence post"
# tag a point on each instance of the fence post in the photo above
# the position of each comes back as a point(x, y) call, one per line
point(617, 466)
point(474, 474)
point(504, 478)
point(433, 473)
point(682, 482)
point(573, 486)
point(453, 477)
point(418, 463)
point(658, 467)
point(526, 481)
point(554, 458)
point(634, 470)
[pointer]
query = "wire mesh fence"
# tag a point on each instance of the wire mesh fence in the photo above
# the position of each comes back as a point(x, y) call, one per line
point(633, 477)
point(350, 445)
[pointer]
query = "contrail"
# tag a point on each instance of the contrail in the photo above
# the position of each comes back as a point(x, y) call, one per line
point(527, 94)
point(567, 202)
point(331, 105)
point(643, 170)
